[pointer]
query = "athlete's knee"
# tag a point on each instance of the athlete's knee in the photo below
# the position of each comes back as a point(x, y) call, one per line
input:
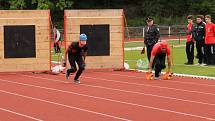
point(82, 67)
point(160, 66)
point(73, 69)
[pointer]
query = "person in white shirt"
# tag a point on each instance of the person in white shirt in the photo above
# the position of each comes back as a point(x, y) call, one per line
point(56, 39)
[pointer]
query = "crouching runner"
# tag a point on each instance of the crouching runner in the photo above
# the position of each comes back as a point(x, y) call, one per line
point(77, 52)
point(158, 55)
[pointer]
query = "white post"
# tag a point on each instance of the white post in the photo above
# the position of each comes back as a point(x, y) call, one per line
point(169, 31)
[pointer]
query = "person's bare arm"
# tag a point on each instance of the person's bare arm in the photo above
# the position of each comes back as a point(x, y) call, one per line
point(151, 62)
point(169, 63)
point(66, 54)
point(84, 55)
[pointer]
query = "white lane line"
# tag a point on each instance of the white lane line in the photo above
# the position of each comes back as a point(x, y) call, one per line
point(127, 91)
point(133, 104)
point(19, 114)
point(137, 77)
point(148, 85)
point(63, 105)
point(153, 95)
point(124, 82)
point(106, 88)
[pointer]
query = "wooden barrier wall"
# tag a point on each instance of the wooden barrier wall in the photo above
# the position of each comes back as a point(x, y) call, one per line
point(114, 18)
point(41, 20)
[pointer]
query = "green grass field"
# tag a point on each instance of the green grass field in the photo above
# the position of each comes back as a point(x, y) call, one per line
point(179, 58)
point(57, 57)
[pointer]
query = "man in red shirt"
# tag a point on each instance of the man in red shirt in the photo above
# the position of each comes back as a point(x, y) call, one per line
point(210, 40)
point(158, 55)
point(190, 41)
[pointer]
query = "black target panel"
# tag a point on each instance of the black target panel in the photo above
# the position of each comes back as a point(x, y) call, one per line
point(19, 41)
point(98, 39)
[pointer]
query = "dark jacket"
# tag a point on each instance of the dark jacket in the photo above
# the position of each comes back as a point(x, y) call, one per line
point(151, 35)
point(198, 32)
point(74, 49)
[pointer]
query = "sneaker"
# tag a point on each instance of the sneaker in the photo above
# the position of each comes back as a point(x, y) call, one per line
point(188, 63)
point(67, 74)
point(198, 64)
point(77, 81)
point(203, 64)
point(156, 78)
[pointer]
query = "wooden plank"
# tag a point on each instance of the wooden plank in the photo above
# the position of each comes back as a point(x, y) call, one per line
point(116, 49)
point(43, 46)
point(41, 67)
point(7, 67)
point(1, 28)
point(100, 66)
point(72, 37)
point(116, 44)
point(90, 59)
point(92, 21)
point(42, 60)
point(43, 54)
point(1, 56)
point(116, 29)
point(76, 29)
point(44, 39)
point(19, 60)
point(24, 13)
point(24, 67)
point(116, 36)
point(44, 32)
point(94, 12)
point(37, 22)
point(117, 54)
point(1, 43)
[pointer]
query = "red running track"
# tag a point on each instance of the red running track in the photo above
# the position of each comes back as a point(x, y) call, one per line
point(105, 96)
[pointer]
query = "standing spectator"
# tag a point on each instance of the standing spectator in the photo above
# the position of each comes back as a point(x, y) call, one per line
point(190, 41)
point(151, 36)
point(199, 36)
point(210, 40)
point(56, 39)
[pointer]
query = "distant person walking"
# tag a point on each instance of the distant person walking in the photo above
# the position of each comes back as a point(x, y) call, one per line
point(57, 37)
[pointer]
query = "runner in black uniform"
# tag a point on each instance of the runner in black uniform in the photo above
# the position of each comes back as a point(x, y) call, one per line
point(77, 52)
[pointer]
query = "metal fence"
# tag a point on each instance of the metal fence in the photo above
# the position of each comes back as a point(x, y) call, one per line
point(166, 32)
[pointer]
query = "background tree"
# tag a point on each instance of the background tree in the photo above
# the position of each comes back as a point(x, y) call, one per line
point(164, 11)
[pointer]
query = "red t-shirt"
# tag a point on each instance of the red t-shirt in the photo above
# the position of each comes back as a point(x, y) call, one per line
point(210, 33)
point(158, 46)
point(189, 36)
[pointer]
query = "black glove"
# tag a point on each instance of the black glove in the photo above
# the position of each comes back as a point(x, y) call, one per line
point(143, 50)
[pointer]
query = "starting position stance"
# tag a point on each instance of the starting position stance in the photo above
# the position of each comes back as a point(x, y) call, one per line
point(77, 52)
point(158, 55)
